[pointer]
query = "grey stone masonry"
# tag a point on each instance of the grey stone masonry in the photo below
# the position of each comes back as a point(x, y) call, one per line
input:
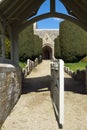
point(10, 89)
point(53, 33)
point(48, 36)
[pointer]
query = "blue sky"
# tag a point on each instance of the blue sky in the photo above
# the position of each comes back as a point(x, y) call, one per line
point(50, 23)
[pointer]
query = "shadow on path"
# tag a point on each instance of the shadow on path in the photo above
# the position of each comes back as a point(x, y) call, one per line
point(42, 84)
point(37, 84)
point(74, 86)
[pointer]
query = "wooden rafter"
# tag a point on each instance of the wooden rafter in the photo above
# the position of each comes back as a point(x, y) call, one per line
point(11, 7)
point(52, 6)
point(18, 11)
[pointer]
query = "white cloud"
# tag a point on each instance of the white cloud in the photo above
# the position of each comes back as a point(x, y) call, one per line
point(57, 19)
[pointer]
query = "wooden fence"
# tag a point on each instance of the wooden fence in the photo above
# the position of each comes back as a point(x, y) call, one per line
point(30, 65)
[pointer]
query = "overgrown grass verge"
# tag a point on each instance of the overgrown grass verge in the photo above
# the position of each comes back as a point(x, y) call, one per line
point(78, 65)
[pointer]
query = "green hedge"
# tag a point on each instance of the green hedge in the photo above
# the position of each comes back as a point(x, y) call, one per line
point(30, 46)
point(57, 50)
point(72, 41)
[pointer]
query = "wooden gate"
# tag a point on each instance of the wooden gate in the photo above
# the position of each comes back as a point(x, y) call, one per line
point(57, 89)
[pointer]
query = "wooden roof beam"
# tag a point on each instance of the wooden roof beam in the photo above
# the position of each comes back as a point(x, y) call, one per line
point(5, 4)
point(75, 10)
point(11, 7)
point(20, 9)
point(29, 11)
point(52, 6)
point(72, 6)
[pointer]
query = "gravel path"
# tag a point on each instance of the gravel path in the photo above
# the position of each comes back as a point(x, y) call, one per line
point(34, 110)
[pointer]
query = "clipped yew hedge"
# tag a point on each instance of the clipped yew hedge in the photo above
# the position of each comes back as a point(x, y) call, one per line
point(30, 45)
point(72, 42)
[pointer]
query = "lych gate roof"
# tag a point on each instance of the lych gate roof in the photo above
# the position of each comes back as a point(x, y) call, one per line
point(17, 11)
point(14, 10)
point(77, 8)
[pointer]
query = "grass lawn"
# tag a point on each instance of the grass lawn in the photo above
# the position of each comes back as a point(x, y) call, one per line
point(78, 65)
point(22, 64)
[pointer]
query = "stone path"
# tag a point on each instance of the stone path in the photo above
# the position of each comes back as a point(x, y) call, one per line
point(34, 109)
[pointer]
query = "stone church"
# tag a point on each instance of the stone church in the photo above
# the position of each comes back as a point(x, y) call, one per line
point(48, 36)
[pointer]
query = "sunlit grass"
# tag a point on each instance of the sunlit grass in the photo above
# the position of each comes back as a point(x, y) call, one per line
point(22, 64)
point(78, 65)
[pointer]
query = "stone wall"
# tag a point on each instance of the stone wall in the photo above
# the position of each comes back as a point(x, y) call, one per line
point(10, 89)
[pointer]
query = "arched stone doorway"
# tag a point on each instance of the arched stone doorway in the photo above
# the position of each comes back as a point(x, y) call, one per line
point(47, 52)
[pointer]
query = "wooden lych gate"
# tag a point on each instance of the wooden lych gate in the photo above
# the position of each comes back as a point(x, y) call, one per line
point(14, 17)
point(57, 89)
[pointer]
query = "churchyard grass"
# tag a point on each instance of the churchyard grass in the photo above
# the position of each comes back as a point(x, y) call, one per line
point(22, 64)
point(78, 65)
point(73, 66)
